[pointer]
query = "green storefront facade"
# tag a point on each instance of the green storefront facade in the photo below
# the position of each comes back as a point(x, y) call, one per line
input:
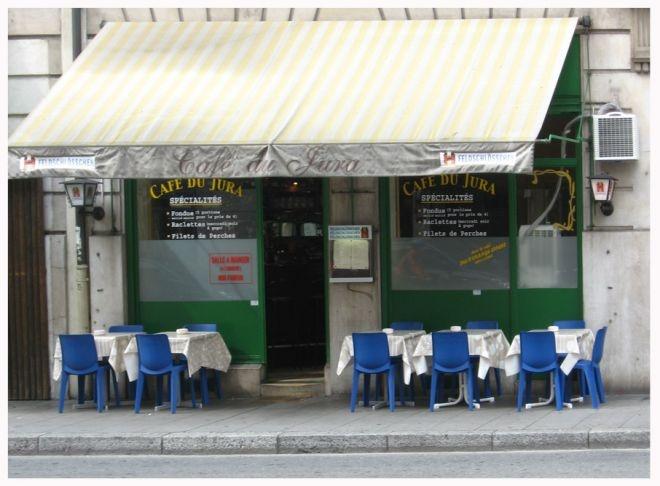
point(517, 298)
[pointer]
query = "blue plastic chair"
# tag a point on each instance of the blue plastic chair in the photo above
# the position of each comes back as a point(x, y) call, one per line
point(155, 357)
point(571, 324)
point(408, 326)
point(591, 369)
point(538, 354)
point(371, 356)
point(79, 358)
point(495, 371)
point(451, 355)
point(203, 373)
point(126, 328)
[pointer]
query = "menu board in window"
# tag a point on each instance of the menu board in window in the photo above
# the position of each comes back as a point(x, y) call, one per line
point(202, 209)
point(453, 206)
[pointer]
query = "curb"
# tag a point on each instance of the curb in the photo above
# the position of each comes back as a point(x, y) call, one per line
point(89, 444)
point(201, 443)
point(620, 439)
point(540, 440)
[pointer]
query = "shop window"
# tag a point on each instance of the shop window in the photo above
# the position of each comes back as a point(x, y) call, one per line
point(450, 232)
point(197, 240)
point(547, 236)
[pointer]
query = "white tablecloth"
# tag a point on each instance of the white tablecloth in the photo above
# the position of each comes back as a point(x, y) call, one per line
point(576, 344)
point(111, 345)
point(401, 343)
point(206, 349)
point(489, 344)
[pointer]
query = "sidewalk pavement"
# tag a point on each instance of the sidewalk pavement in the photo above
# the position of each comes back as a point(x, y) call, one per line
point(252, 426)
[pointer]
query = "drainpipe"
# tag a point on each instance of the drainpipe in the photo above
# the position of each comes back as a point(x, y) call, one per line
point(78, 316)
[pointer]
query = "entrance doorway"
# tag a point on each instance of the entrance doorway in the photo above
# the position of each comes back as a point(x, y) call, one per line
point(293, 253)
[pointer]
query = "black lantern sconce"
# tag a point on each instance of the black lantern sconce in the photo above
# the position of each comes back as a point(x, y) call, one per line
point(602, 189)
point(81, 194)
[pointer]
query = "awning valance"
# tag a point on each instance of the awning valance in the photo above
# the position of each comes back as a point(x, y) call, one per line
point(235, 99)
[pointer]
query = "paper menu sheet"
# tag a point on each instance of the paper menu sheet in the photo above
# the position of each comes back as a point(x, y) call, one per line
point(351, 254)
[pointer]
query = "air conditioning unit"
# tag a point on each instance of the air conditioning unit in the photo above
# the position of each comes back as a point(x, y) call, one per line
point(615, 136)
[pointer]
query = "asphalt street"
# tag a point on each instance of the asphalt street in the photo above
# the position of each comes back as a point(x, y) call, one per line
point(630, 463)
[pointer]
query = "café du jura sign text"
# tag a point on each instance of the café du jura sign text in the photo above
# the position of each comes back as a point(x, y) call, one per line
point(197, 209)
point(453, 206)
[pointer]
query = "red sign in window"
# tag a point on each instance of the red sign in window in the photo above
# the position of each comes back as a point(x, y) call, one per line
point(231, 268)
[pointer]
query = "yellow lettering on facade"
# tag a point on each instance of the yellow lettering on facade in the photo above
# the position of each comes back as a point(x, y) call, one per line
point(158, 190)
point(224, 185)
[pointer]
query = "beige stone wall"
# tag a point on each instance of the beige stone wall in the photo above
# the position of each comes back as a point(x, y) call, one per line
point(616, 251)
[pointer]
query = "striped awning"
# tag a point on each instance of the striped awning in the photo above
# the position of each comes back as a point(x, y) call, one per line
point(230, 99)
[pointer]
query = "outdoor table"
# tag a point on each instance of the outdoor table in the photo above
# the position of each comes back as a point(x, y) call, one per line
point(576, 344)
point(490, 345)
point(110, 345)
point(401, 343)
point(201, 349)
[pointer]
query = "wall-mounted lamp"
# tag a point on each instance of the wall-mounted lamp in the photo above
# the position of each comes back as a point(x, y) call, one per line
point(81, 194)
point(602, 189)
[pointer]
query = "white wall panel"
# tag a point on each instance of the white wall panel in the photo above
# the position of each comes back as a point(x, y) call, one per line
point(277, 13)
point(166, 14)
point(394, 13)
point(421, 13)
point(193, 14)
point(13, 123)
point(222, 14)
point(610, 51)
point(349, 14)
point(138, 14)
point(249, 14)
point(616, 294)
point(34, 21)
point(558, 12)
point(26, 93)
point(55, 212)
point(95, 16)
point(504, 13)
point(607, 18)
point(106, 281)
point(304, 13)
point(28, 56)
point(56, 296)
point(448, 13)
point(531, 13)
point(477, 13)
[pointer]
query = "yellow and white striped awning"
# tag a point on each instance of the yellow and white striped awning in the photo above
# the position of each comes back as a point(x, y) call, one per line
point(314, 98)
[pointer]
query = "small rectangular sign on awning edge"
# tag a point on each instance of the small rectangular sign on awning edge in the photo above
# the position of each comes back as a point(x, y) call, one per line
point(29, 163)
